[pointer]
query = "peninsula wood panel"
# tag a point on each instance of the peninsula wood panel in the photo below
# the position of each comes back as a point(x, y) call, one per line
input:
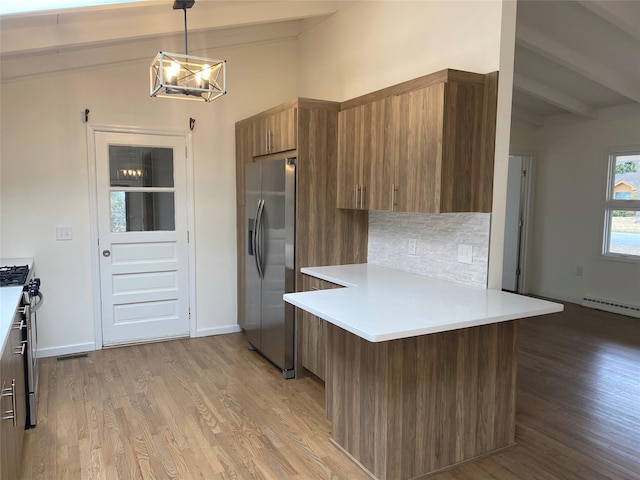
point(408, 407)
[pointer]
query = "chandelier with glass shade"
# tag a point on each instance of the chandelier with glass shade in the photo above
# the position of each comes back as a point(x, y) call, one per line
point(175, 75)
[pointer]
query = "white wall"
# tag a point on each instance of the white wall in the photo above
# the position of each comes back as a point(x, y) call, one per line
point(371, 45)
point(570, 165)
point(45, 177)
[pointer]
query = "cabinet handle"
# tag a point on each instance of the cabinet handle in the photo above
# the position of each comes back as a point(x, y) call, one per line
point(315, 288)
point(356, 190)
point(10, 414)
point(363, 191)
point(394, 189)
point(18, 326)
point(19, 350)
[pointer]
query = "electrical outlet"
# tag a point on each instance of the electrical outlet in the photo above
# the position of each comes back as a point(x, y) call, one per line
point(465, 253)
point(64, 233)
point(411, 246)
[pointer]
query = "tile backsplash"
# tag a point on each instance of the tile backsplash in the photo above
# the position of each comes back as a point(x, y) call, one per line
point(427, 244)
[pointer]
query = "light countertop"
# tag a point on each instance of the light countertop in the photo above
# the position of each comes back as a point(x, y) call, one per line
point(10, 299)
point(380, 304)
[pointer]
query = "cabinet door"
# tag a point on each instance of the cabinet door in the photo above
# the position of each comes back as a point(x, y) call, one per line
point(17, 360)
point(8, 447)
point(283, 131)
point(349, 159)
point(363, 173)
point(313, 341)
point(414, 145)
point(275, 132)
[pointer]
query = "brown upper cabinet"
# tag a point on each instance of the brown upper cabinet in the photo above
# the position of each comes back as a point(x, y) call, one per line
point(362, 165)
point(425, 145)
point(275, 131)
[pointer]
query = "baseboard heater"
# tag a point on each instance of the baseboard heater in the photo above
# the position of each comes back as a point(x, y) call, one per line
point(611, 306)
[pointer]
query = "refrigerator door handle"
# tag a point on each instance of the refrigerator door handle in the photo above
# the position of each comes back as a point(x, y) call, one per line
point(254, 239)
point(258, 238)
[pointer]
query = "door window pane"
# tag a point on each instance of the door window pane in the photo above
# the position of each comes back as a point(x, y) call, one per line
point(131, 166)
point(142, 211)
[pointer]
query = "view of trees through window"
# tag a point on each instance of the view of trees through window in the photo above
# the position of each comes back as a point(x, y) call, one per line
point(623, 206)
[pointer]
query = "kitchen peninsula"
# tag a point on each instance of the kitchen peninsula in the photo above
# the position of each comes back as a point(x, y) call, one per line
point(421, 373)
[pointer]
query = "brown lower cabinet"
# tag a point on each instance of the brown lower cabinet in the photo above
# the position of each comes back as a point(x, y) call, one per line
point(312, 331)
point(12, 404)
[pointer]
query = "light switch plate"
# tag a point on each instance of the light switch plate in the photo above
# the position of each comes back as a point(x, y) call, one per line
point(465, 253)
point(64, 233)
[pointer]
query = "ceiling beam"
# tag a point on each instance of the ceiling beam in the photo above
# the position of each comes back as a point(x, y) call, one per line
point(552, 96)
point(622, 15)
point(542, 44)
point(524, 115)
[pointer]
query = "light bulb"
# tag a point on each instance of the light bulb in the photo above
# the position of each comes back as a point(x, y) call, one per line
point(202, 77)
point(171, 71)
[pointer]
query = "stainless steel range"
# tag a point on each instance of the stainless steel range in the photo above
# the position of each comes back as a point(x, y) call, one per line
point(21, 275)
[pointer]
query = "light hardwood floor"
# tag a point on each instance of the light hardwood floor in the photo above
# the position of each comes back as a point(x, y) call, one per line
point(208, 408)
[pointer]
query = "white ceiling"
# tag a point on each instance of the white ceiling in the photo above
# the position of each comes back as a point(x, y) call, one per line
point(572, 56)
point(575, 57)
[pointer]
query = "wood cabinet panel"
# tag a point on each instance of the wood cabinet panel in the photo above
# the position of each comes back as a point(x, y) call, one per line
point(275, 132)
point(244, 153)
point(414, 147)
point(409, 407)
point(313, 341)
point(422, 146)
point(363, 172)
point(241, 238)
point(12, 380)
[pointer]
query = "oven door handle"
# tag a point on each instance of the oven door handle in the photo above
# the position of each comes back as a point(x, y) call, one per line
point(36, 305)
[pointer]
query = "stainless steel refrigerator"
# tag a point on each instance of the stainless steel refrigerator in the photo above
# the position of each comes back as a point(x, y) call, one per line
point(270, 260)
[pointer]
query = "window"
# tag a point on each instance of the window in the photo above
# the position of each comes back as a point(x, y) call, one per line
point(622, 211)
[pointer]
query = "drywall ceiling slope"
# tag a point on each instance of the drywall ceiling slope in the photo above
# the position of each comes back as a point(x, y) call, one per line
point(51, 42)
point(575, 57)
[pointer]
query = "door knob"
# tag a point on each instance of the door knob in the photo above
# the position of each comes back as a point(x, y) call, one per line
point(106, 253)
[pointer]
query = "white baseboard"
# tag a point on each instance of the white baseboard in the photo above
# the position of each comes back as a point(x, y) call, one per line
point(555, 296)
point(90, 347)
point(66, 350)
point(206, 332)
point(611, 306)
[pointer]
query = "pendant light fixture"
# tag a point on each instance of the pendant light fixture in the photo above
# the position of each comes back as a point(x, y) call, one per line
point(174, 75)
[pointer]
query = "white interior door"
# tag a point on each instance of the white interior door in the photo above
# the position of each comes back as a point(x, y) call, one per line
point(516, 216)
point(143, 238)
